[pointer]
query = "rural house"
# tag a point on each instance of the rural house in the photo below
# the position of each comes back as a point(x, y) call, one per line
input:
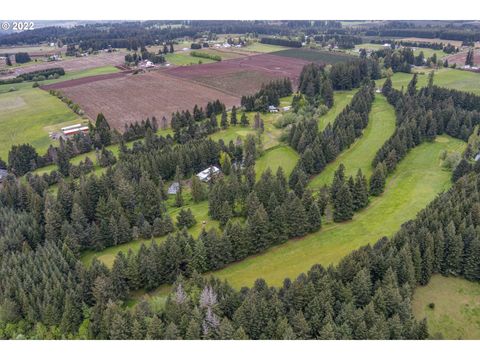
point(207, 174)
point(272, 109)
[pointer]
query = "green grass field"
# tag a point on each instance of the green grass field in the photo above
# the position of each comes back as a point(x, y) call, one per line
point(407, 192)
point(24, 116)
point(360, 155)
point(263, 48)
point(184, 58)
point(340, 100)
point(28, 114)
point(282, 155)
point(456, 314)
point(449, 78)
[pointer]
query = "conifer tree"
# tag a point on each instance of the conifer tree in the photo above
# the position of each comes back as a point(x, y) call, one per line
point(360, 191)
point(377, 181)
point(186, 219)
point(233, 116)
point(224, 120)
point(244, 120)
point(343, 204)
point(198, 189)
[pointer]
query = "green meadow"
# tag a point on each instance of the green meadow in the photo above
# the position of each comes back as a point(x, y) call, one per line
point(407, 193)
point(451, 306)
point(360, 155)
point(28, 114)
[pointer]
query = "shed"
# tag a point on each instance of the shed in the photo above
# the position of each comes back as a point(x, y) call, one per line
point(3, 174)
point(477, 157)
point(174, 188)
point(272, 109)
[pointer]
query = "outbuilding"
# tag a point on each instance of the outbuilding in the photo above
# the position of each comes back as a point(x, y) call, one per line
point(207, 174)
point(3, 175)
point(174, 188)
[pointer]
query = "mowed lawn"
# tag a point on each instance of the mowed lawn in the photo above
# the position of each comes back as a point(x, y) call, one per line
point(456, 312)
point(28, 114)
point(282, 155)
point(340, 100)
point(360, 155)
point(418, 179)
point(449, 78)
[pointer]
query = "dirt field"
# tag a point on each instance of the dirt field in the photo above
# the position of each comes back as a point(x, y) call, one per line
point(85, 80)
point(460, 58)
point(127, 98)
point(243, 75)
point(73, 64)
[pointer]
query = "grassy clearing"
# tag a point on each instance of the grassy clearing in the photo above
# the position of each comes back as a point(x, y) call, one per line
point(184, 59)
point(456, 314)
point(200, 211)
point(24, 115)
point(282, 155)
point(263, 48)
point(360, 155)
point(340, 100)
point(407, 193)
point(28, 114)
point(449, 78)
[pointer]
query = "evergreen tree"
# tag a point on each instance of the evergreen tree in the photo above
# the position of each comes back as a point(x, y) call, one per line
point(198, 189)
point(185, 219)
point(377, 181)
point(244, 120)
point(343, 204)
point(233, 116)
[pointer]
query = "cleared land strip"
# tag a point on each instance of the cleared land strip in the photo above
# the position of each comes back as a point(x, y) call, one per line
point(416, 182)
point(341, 100)
point(360, 155)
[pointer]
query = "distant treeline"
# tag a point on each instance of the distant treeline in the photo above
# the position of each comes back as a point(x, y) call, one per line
point(132, 35)
point(35, 76)
point(448, 48)
point(466, 35)
point(342, 41)
point(281, 42)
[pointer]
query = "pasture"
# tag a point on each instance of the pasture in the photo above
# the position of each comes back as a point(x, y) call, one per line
point(28, 114)
point(449, 78)
point(407, 192)
point(184, 59)
point(340, 100)
point(24, 116)
point(456, 311)
point(360, 155)
point(258, 47)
